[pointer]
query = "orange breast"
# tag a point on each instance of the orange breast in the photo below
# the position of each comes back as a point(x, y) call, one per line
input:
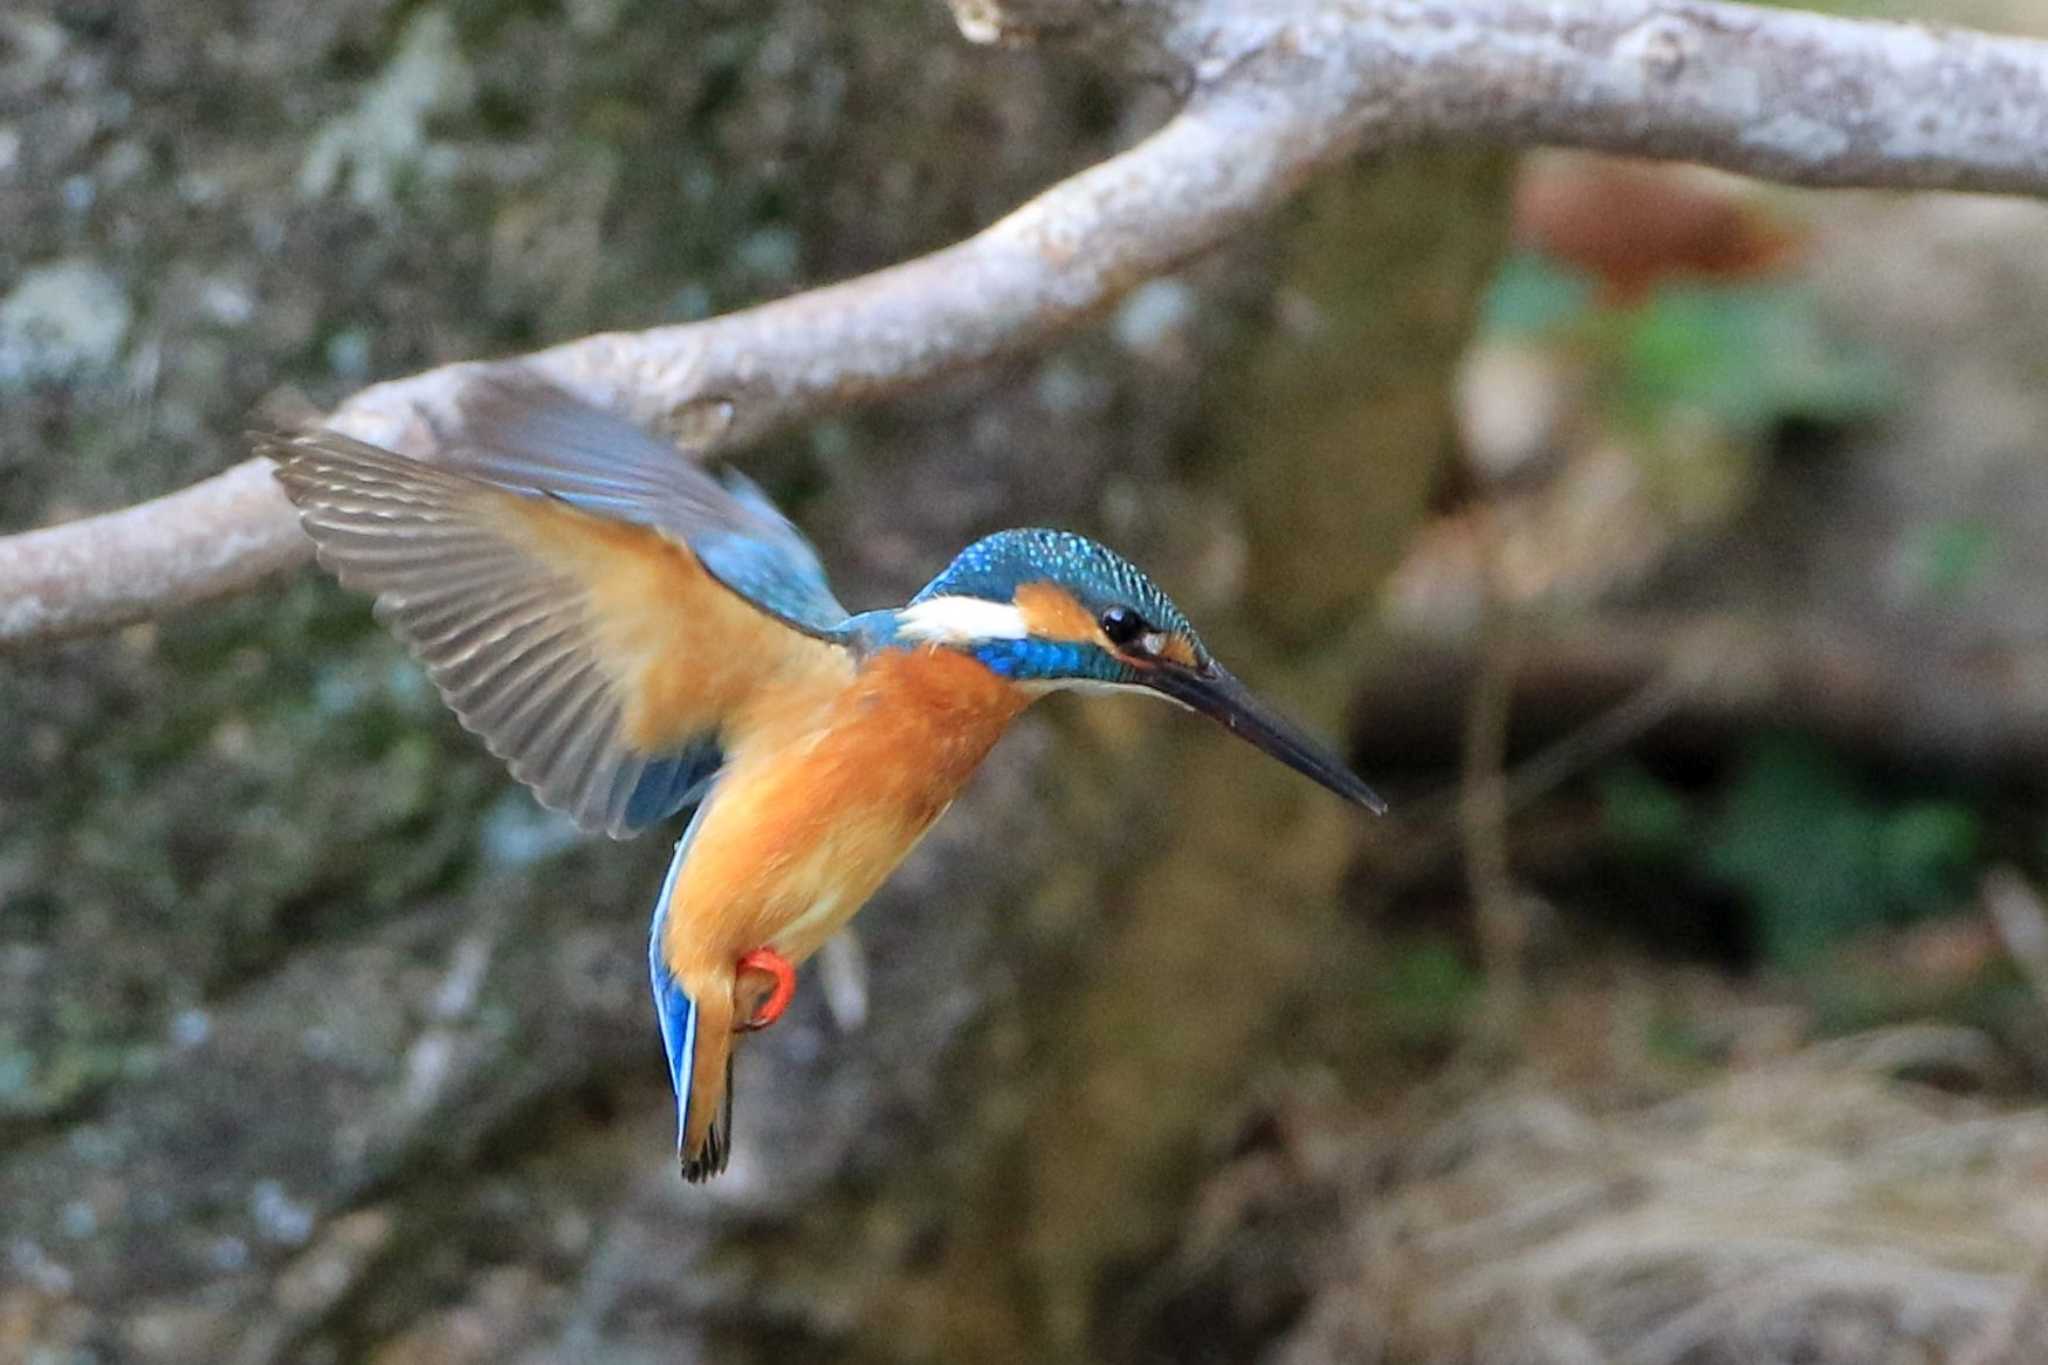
point(822, 801)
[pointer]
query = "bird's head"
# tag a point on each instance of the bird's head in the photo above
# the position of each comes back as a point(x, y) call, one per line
point(1049, 609)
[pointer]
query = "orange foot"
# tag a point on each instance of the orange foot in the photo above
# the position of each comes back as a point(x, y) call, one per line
point(777, 966)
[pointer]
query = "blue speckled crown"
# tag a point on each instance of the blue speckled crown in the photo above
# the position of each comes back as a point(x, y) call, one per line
point(994, 567)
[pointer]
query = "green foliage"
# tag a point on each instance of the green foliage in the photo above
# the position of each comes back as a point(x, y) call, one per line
point(1813, 854)
point(1646, 817)
point(1674, 1038)
point(1425, 991)
point(1534, 296)
point(1745, 355)
point(1749, 356)
point(1946, 558)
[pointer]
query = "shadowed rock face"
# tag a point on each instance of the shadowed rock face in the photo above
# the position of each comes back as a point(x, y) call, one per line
point(316, 1040)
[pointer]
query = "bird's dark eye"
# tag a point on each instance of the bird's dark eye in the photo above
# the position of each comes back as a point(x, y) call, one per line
point(1122, 625)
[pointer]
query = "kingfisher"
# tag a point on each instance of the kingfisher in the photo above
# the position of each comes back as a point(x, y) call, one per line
point(635, 636)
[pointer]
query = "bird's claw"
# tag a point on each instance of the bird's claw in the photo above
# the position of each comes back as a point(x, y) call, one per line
point(777, 966)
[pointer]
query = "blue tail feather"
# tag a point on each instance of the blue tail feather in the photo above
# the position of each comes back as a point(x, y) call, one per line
point(677, 1014)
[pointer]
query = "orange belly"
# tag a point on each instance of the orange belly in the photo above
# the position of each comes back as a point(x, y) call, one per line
point(820, 802)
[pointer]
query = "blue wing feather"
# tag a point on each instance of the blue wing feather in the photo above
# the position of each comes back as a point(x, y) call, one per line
point(511, 636)
point(530, 436)
point(670, 784)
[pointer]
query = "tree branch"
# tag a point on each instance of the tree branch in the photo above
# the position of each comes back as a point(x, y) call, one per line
point(1804, 99)
point(1275, 90)
point(1979, 709)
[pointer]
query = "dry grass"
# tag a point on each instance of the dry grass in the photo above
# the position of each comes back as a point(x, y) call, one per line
point(1812, 1209)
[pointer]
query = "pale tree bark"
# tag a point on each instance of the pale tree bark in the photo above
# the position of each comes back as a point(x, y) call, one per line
point(1272, 92)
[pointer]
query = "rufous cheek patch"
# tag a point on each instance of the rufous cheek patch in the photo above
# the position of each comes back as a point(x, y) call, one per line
point(1051, 613)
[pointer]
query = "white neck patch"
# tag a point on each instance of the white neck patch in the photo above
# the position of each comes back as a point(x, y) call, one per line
point(961, 620)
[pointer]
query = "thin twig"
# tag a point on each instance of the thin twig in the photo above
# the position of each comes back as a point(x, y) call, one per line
point(1536, 777)
point(1503, 920)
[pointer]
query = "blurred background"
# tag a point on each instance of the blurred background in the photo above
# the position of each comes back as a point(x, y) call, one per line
point(1666, 547)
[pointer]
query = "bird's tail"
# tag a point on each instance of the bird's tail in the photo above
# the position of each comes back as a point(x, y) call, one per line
point(697, 1030)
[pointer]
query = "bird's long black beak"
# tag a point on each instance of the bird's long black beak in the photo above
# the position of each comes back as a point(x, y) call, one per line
point(1212, 690)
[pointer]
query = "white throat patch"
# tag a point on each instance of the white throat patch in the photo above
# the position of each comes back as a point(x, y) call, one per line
point(961, 620)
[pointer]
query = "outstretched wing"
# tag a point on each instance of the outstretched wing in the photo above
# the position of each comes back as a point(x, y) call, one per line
point(531, 436)
point(569, 604)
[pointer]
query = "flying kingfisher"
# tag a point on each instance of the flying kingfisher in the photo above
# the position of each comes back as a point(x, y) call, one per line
point(634, 636)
